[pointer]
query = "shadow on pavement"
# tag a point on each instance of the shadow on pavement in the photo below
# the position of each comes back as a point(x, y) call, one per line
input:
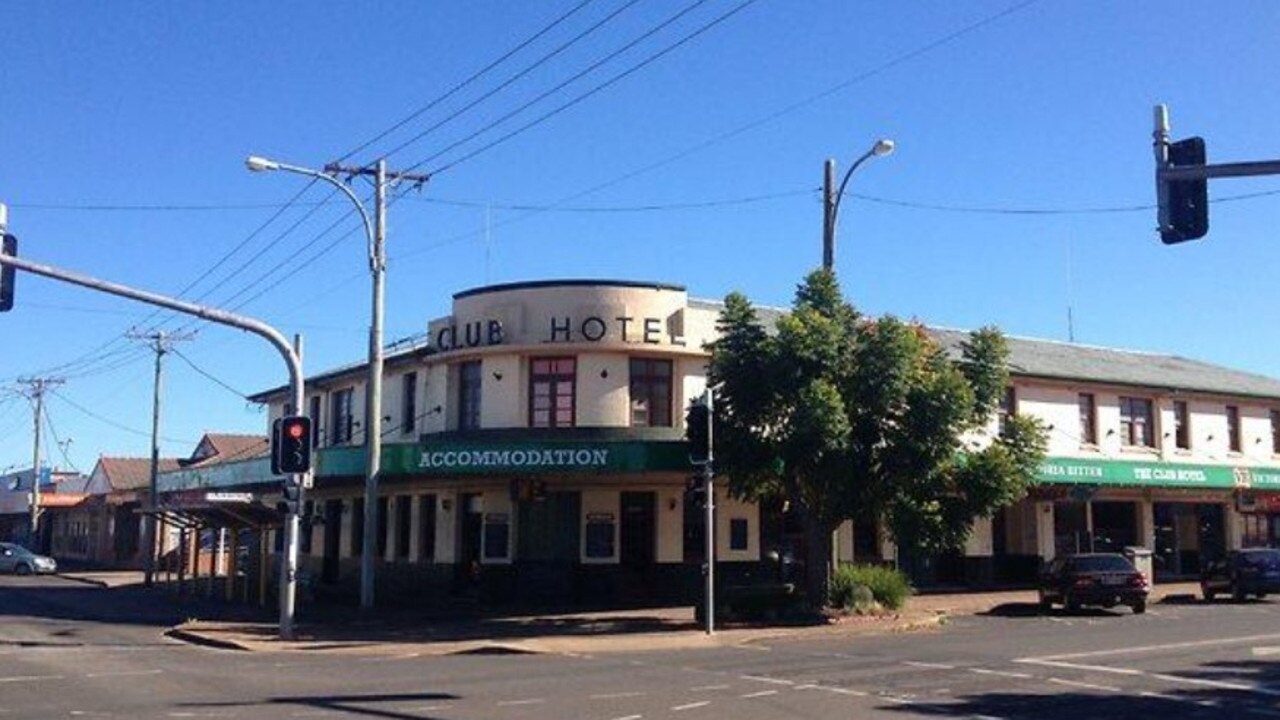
point(1032, 610)
point(348, 704)
point(55, 599)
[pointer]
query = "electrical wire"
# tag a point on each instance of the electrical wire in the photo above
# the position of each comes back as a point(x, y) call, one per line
point(474, 76)
point(522, 73)
point(208, 375)
point(62, 449)
point(584, 96)
point(113, 423)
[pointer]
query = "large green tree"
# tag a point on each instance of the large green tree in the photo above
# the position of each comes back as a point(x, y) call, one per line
point(852, 417)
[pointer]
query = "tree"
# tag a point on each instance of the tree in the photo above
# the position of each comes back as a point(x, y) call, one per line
point(848, 417)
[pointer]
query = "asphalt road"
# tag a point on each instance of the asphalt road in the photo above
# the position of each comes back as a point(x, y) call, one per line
point(70, 650)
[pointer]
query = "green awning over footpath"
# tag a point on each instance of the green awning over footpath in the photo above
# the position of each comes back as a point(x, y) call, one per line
point(1127, 473)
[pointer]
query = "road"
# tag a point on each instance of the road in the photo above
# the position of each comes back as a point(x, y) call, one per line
point(70, 650)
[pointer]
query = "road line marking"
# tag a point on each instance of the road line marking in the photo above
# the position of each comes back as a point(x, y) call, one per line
point(1082, 666)
point(31, 678)
point(1001, 673)
point(611, 696)
point(122, 673)
point(929, 665)
point(629, 717)
point(775, 681)
point(1155, 648)
point(1265, 651)
point(809, 686)
point(530, 701)
point(1216, 684)
point(701, 688)
point(843, 691)
point(762, 693)
point(896, 699)
point(1090, 686)
point(690, 706)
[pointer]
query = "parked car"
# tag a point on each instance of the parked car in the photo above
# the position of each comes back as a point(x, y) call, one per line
point(1096, 579)
point(21, 561)
point(1241, 573)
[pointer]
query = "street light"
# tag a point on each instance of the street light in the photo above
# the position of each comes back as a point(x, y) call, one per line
point(831, 200)
point(373, 403)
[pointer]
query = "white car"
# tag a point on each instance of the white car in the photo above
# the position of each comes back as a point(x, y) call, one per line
point(21, 561)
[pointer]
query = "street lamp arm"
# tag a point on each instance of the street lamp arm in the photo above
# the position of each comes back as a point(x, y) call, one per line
point(835, 202)
point(375, 263)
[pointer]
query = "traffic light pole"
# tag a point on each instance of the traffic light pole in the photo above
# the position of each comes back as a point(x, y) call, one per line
point(1165, 172)
point(709, 487)
point(289, 566)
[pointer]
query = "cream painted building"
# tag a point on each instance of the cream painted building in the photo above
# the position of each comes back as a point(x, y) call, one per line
point(533, 451)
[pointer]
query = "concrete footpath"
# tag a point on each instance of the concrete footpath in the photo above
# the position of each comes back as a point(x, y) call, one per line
point(395, 634)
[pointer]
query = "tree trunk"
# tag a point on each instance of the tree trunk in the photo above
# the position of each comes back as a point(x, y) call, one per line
point(817, 564)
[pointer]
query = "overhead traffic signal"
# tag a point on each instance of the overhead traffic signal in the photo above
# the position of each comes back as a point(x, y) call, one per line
point(291, 445)
point(7, 273)
point(1186, 215)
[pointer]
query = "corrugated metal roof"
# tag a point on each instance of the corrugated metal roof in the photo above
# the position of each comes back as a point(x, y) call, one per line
point(1054, 359)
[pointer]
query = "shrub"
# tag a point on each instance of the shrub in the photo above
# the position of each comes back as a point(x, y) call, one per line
point(888, 587)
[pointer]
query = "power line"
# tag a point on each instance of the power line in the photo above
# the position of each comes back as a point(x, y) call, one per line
point(209, 375)
point(598, 88)
point(113, 423)
point(474, 76)
point(539, 62)
point(62, 447)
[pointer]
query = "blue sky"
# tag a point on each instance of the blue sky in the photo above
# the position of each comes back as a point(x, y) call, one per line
point(998, 105)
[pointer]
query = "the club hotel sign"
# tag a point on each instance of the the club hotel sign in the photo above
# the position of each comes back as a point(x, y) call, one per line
point(561, 329)
point(1073, 471)
point(567, 458)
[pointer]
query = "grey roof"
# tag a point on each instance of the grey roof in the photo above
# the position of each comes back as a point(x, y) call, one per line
point(1053, 359)
point(1071, 361)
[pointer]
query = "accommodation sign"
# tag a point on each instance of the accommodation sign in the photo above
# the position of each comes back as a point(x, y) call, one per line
point(566, 458)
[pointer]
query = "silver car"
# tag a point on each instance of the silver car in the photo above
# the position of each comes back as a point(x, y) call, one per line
point(21, 561)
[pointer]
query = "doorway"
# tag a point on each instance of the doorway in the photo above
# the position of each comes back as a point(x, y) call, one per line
point(1187, 536)
point(470, 530)
point(638, 535)
point(332, 541)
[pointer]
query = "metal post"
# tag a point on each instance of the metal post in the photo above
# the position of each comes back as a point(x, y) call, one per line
point(1160, 144)
point(35, 469)
point(828, 214)
point(373, 395)
point(153, 494)
point(214, 315)
point(289, 558)
point(708, 485)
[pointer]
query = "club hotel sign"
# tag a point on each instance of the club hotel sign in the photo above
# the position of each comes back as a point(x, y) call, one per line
point(555, 313)
point(1077, 471)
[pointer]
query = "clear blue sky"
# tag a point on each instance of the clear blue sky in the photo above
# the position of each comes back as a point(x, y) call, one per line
point(130, 105)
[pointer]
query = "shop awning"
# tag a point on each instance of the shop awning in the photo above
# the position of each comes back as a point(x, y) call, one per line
point(1132, 473)
point(215, 509)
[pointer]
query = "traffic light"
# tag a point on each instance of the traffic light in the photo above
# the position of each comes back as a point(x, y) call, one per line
point(291, 445)
point(7, 274)
point(1187, 209)
point(697, 428)
point(290, 494)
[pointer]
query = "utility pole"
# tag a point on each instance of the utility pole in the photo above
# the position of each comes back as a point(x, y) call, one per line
point(373, 395)
point(37, 387)
point(708, 486)
point(160, 343)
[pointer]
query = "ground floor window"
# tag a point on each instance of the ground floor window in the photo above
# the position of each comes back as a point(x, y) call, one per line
point(427, 528)
point(404, 526)
point(1070, 528)
point(1115, 526)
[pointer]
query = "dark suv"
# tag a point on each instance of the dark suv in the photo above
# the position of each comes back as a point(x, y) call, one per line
point(1252, 571)
point(1100, 579)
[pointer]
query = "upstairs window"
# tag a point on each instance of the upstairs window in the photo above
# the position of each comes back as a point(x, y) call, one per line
point(650, 392)
point(1135, 422)
point(1234, 443)
point(1088, 419)
point(1275, 432)
point(552, 386)
point(408, 402)
point(1181, 425)
point(469, 395)
point(1008, 407)
point(340, 417)
point(315, 420)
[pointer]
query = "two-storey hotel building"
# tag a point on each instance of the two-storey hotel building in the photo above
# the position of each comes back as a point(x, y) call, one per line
point(533, 450)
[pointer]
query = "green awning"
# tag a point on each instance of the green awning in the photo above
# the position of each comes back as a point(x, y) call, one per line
point(507, 457)
point(1130, 473)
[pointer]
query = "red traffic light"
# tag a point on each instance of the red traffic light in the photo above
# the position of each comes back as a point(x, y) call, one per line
point(295, 430)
